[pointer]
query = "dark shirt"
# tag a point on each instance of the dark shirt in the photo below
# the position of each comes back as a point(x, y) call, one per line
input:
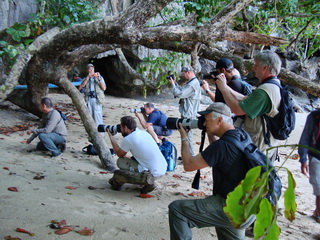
point(229, 168)
point(157, 118)
point(234, 83)
point(309, 136)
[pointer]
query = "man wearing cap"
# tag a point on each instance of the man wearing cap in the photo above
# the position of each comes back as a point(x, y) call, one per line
point(95, 86)
point(228, 171)
point(225, 66)
point(190, 96)
point(264, 100)
point(154, 121)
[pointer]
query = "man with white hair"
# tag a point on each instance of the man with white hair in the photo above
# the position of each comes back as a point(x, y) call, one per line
point(228, 169)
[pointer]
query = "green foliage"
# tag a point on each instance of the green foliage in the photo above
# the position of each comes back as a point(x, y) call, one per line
point(289, 198)
point(160, 67)
point(61, 13)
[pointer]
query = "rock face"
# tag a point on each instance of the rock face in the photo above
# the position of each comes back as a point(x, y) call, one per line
point(12, 11)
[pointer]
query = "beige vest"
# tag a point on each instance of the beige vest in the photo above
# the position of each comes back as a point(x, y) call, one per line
point(99, 92)
point(254, 126)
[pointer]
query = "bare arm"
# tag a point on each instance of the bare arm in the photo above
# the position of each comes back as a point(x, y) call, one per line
point(231, 97)
point(115, 146)
point(206, 87)
point(143, 122)
point(190, 163)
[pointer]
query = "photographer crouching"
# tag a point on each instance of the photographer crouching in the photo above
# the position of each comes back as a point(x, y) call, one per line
point(154, 121)
point(228, 171)
point(147, 163)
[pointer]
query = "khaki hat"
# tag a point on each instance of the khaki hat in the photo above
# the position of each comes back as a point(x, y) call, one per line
point(186, 69)
point(90, 65)
point(217, 107)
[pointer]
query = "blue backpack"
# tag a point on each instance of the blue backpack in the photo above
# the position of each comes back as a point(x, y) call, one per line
point(170, 153)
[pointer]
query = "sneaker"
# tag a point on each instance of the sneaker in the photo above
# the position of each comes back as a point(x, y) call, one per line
point(57, 155)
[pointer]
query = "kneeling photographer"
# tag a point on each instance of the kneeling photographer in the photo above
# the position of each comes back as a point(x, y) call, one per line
point(154, 121)
point(228, 171)
point(147, 163)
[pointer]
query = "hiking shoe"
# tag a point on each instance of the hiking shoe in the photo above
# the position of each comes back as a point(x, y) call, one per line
point(63, 147)
point(148, 188)
point(114, 185)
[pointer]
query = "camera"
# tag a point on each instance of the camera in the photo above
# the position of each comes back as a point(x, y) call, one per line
point(173, 123)
point(209, 75)
point(137, 110)
point(170, 76)
point(92, 94)
point(113, 129)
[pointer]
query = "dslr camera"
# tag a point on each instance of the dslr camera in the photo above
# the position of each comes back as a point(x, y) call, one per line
point(137, 110)
point(113, 129)
point(173, 123)
point(170, 76)
point(211, 75)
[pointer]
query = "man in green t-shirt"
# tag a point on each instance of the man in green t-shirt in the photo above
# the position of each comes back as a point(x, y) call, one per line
point(264, 100)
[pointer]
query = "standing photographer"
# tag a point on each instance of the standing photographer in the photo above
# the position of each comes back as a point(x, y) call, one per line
point(190, 96)
point(154, 121)
point(95, 86)
point(225, 66)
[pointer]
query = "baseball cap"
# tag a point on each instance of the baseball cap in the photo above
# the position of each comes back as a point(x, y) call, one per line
point(224, 63)
point(186, 69)
point(149, 105)
point(90, 65)
point(217, 107)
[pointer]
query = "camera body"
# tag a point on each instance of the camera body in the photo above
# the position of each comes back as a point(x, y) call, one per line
point(209, 75)
point(92, 94)
point(170, 76)
point(113, 129)
point(173, 123)
point(137, 110)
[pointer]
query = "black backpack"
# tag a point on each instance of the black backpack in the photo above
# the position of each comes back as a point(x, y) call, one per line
point(89, 150)
point(283, 123)
point(256, 158)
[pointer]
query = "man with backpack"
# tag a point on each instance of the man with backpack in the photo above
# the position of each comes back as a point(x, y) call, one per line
point(52, 130)
point(265, 100)
point(154, 121)
point(311, 137)
point(227, 161)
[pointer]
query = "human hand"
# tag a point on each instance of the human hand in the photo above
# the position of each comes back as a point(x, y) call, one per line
point(305, 169)
point(205, 85)
point(183, 131)
point(172, 80)
point(221, 81)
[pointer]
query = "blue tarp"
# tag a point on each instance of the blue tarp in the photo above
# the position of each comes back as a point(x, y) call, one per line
point(50, 85)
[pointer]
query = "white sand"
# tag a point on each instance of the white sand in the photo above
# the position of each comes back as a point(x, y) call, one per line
point(111, 214)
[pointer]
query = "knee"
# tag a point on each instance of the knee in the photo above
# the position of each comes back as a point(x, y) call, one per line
point(173, 206)
point(42, 136)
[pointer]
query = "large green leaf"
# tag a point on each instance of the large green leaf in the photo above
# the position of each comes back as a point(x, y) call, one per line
point(290, 199)
point(245, 199)
point(265, 226)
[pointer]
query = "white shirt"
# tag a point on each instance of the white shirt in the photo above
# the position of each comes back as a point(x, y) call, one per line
point(146, 152)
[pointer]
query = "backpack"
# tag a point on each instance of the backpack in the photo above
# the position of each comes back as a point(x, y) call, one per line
point(169, 151)
point(246, 87)
point(63, 116)
point(316, 141)
point(256, 158)
point(283, 123)
point(89, 150)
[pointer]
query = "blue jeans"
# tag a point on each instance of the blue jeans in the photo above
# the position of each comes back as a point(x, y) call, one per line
point(207, 212)
point(51, 142)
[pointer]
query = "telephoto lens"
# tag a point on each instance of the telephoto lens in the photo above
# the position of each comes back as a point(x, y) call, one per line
point(173, 123)
point(137, 110)
point(113, 129)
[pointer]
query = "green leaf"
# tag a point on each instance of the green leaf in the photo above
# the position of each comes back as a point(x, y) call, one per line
point(10, 31)
point(265, 226)
point(290, 199)
point(66, 19)
point(16, 36)
point(246, 197)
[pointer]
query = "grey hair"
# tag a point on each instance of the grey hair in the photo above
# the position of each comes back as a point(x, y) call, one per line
point(225, 118)
point(271, 60)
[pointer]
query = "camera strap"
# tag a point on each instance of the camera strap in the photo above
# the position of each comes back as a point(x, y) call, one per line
point(196, 180)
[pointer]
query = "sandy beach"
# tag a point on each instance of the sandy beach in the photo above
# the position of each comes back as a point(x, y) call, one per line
point(75, 188)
